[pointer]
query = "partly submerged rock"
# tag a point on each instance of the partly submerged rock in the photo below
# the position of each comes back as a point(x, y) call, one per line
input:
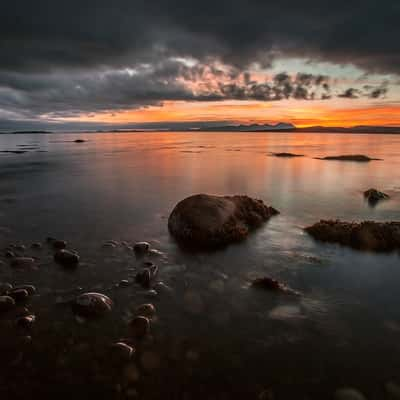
point(139, 326)
point(373, 196)
point(287, 155)
point(92, 305)
point(367, 235)
point(349, 157)
point(141, 248)
point(206, 222)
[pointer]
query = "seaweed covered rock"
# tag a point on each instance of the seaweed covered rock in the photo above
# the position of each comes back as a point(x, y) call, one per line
point(206, 222)
point(366, 235)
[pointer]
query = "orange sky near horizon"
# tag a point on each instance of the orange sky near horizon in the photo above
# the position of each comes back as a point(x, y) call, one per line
point(340, 112)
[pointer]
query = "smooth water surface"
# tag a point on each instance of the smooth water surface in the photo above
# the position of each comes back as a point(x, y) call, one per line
point(213, 338)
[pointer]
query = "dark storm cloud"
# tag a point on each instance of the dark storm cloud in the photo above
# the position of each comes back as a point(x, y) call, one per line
point(46, 34)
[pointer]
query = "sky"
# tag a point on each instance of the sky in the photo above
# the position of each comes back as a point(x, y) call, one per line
point(99, 64)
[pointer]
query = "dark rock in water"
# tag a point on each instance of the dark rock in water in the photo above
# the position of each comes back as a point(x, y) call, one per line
point(121, 351)
point(20, 247)
point(367, 235)
point(203, 221)
point(349, 157)
point(9, 254)
point(66, 258)
point(29, 288)
point(92, 305)
point(25, 322)
point(141, 248)
point(287, 155)
point(19, 294)
point(161, 287)
point(6, 303)
point(22, 262)
point(139, 326)
point(268, 283)
point(36, 246)
point(50, 239)
point(374, 196)
point(59, 244)
point(79, 141)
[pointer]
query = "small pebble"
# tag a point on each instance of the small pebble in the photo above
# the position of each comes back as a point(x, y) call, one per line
point(29, 288)
point(146, 310)
point(139, 326)
point(26, 322)
point(6, 303)
point(19, 294)
point(66, 258)
point(59, 244)
point(121, 351)
point(5, 288)
point(141, 248)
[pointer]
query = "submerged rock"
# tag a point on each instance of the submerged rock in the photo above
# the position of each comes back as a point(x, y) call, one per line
point(146, 275)
point(66, 258)
point(59, 244)
point(373, 196)
point(207, 222)
point(92, 305)
point(79, 141)
point(29, 288)
point(22, 262)
point(26, 322)
point(5, 288)
point(349, 157)
point(367, 235)
point(268, 283)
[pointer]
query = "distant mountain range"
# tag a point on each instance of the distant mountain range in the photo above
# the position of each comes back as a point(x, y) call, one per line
point(288, 127)
point(279, 127)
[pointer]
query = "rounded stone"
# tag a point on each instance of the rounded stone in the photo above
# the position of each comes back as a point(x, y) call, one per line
point(121, 351)
point(6, 303)
point(139, 326)
point(92, 305)
point(5, 288)
point(146, 310)
point(66, 258)
point(59, 244)
point(26, 322)
point(29, 288)
point(141, 248)
point(19, 294)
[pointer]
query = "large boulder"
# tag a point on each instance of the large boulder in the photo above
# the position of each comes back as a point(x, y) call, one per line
point(366, 235)
point(204, 221)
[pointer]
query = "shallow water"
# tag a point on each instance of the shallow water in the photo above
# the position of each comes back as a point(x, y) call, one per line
point(213, 338)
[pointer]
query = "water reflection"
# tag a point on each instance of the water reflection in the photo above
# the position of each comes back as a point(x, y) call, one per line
point(220, 336)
